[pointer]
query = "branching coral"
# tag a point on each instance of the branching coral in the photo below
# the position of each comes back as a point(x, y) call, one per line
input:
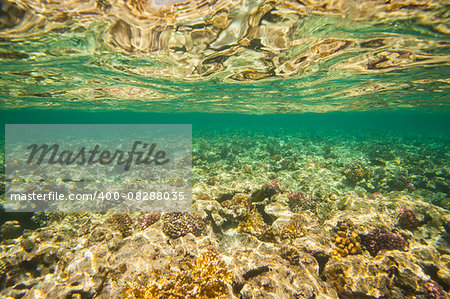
point(407, 218)
point(346, 239)
point(206, 276)
point(255, 225)
point(434, 290)
point(293, 229)
point(378, 239)
point(298, 201)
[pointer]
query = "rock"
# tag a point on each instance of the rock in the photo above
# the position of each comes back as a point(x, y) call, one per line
point(11, 230)
point(27, 245)
point(395, 275)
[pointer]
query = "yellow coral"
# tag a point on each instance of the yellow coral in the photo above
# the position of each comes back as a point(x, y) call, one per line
point(293, 229)
point(205, 277)
point(255, 225)
point(346, 239)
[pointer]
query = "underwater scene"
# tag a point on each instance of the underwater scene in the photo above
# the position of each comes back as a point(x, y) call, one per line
point(312, 148)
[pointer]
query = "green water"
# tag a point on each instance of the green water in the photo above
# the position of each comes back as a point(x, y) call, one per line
point(398, 122)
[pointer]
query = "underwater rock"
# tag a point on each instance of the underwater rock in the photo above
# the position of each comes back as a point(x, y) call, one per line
point(394, 275)
point(148, 219)
point(27, 244)
point(11, 230)
point(378, 239)
point(177, 224)
point(291, 254)
point(377, 161)
point(203, 196)
point(266, 191)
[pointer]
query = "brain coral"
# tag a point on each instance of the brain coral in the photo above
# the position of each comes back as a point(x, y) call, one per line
point(121, 222)
point(177, 224)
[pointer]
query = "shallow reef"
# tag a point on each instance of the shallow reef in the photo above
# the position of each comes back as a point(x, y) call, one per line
point(205, 276)
point(310, 230)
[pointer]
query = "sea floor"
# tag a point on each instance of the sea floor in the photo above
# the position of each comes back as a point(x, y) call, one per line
point(279, 215)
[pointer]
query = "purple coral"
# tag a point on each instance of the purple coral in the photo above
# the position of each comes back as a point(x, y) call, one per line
point(298, 201)
point(296, 197)
point(434, 290)
point(407, 218)
point(378, 239)
point(272, 188)
point(148, 219)
point(276, 185)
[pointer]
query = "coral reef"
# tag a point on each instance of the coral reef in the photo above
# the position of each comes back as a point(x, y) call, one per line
point(148, 219)
point(177, 224)
point(295, 228)
point(121, 222)
point(407, 218)
point(356, 172)
point(288, 245)
point(378, 239)
point(346, 239)
point(299, 201)
point(205, 276)
point(255, 225)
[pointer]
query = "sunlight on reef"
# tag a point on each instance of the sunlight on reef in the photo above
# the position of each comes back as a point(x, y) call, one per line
point(309, 43)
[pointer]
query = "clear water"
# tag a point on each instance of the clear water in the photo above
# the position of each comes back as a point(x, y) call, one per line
point(251, 57)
